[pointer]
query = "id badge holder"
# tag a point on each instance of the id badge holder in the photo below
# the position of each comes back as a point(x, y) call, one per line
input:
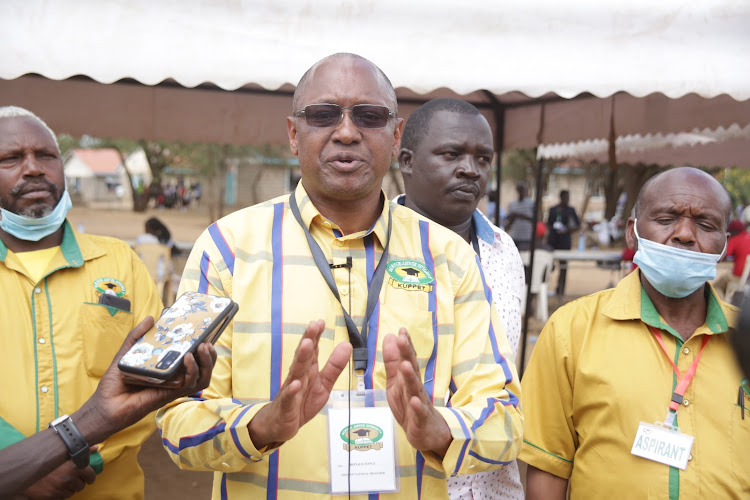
point(362, 444)
point(663, 443)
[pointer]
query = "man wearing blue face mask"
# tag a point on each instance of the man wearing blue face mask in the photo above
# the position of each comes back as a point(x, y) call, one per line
point(635, 391)
point(68, 302)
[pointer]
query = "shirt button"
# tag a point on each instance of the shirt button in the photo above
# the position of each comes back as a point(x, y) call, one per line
point(344, 290)
point(686, 402)
point(326, 223)
point(690, 457)
point(37, 290)
point(339, 243)
point(686, 351)
point(44, 389)
point(42, 341)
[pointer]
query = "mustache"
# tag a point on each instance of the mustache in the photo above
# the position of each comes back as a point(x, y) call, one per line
point(468, 185)
point(41, 184)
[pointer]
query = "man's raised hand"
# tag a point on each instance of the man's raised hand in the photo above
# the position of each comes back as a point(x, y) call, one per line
point(304, 393)
point(425, 428)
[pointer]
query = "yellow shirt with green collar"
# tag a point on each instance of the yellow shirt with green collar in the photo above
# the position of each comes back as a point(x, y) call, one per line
point(58, 341)
point(260, 257)
point(597, 372)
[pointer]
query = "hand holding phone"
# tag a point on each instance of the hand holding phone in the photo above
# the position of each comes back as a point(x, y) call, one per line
point(157, 357)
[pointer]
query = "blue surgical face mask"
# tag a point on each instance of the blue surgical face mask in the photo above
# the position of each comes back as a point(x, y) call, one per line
point(674, 272)
point(31, 229)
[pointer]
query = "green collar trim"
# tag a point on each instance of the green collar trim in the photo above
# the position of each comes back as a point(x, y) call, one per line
point(716, 321)
point(69, 247)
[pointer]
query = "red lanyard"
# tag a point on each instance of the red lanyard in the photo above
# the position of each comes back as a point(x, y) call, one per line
point(682, 381)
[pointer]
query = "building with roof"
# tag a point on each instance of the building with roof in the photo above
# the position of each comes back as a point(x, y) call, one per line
point(97, 177)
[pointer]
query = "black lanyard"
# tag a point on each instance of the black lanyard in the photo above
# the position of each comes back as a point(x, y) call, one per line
point(358, 340)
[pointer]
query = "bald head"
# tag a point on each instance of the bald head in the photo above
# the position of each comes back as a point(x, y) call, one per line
point(342, 56)
point(690, 180)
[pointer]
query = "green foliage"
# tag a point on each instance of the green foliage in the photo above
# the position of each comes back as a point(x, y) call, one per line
point(737, 182)
point(519, 165)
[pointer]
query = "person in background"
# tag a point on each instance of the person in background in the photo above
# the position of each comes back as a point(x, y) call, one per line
point(157, 232)
point(518, 223)
point(445, 158)
point(607, 366)
point(741, 206)
point(738, 247)
point(69, 301)
point(562, 220)
point(491, 206)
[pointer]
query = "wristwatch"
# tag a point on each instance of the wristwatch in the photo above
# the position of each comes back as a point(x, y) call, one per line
point(77, 446)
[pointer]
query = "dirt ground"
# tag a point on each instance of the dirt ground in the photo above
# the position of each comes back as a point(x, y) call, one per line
point(163, 478)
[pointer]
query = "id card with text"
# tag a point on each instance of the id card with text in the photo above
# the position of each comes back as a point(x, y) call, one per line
point(362, 450)
point(662, 444)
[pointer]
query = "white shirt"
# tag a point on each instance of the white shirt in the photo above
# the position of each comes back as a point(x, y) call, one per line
point(504, 273)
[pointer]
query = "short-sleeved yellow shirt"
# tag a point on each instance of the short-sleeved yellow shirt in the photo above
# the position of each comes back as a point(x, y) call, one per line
point(597, 371)
point(57, 342)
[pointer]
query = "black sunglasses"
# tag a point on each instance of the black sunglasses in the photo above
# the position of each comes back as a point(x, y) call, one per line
point(330, 115)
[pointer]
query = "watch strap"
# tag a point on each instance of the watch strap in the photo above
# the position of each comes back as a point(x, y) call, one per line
point(78, 448)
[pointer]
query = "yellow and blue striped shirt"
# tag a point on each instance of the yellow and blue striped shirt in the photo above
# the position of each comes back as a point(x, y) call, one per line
point(259, 256)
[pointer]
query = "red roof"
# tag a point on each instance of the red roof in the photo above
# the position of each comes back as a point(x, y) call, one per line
point(100, 161)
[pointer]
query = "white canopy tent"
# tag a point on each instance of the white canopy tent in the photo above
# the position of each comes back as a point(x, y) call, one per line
point(160, 70)
point(701, 148)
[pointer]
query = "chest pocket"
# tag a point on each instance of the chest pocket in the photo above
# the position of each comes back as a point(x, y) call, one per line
point(102, 335)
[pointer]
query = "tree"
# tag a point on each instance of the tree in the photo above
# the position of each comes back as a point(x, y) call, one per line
point(737, 183)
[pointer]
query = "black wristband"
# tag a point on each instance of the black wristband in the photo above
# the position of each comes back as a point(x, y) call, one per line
point(78, 448)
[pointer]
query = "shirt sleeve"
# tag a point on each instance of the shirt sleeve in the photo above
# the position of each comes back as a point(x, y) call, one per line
point(574, 215)
point(483, 412)
point(550, 441)
point(208, 431)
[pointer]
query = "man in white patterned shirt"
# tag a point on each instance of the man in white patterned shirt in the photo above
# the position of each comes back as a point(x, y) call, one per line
point(445, 158)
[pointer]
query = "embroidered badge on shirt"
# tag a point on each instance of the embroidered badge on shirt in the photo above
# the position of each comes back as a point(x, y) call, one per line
point(110, 286)
point(409, 275)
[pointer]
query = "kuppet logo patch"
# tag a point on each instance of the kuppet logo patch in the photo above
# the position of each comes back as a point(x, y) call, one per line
point(409, 275)
point(110, 285)
point(362, 437)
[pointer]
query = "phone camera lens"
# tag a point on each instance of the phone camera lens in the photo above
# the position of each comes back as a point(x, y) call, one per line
point(167, 360)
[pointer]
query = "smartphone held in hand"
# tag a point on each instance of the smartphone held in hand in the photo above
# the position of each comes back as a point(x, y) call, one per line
point(157, 357)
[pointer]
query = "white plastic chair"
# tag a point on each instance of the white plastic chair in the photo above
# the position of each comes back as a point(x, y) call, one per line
point(734, 286)
point(157, 258)
point(543, 260)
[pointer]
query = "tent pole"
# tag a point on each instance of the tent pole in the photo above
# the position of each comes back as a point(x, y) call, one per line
point(499, 114)
point(532, 248)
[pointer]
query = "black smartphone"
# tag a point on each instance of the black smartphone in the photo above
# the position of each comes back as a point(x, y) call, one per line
point(109, 299)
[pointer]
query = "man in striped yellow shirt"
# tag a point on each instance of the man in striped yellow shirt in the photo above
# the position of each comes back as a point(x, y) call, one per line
point(434, 344)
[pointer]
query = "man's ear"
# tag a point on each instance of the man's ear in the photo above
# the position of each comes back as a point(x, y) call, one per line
point(630, 238)
point(291, 130)
point(404, 161)
point(398, 129)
